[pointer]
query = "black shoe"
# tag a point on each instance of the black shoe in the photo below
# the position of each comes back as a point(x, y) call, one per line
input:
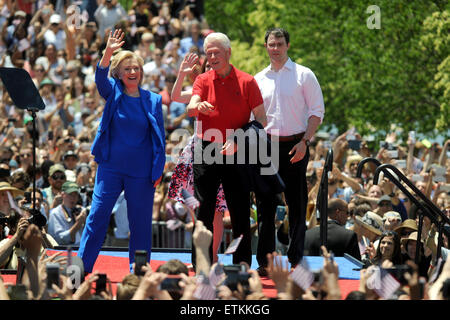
point(262, 271)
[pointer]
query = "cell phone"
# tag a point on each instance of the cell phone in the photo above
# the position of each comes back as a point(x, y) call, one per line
point(327, 144)
point(417, 177)
point(17, 292)
point(412, 136)
point(354, 144)
point(18, 132)
point(140, 259)
point(384, 144)
point(439, 170)
point(317, 164)
point(401, 163)
point(52, 275)
point(439, 178)
point(27, 196)
point(50, 135)
point(393, 154)
point(281, 212)
point(171, 283)
point(100, 284)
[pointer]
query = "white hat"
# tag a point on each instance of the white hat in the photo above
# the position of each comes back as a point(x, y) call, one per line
point(55, 18)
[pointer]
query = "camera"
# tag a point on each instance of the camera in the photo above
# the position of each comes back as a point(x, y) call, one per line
point(236, 273)
point(398, 272)
point(36, 218)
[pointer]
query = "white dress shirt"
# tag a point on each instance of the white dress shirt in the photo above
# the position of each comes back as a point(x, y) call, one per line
point(291, 96)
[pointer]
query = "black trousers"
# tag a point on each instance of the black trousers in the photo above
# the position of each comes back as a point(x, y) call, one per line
point(207, 178)
point(296, 195)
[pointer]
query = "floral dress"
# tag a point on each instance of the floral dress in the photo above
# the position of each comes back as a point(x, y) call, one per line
point(183, 178)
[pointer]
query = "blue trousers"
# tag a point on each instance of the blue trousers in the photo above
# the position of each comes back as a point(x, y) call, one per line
point(139, 193)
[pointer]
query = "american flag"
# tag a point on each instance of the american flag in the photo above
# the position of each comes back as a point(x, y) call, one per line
point(216, 274)
point(234, 245)
point(437, 270)
point(204, 290)
point(382, 282)
point(302, 277)
point(388, 285)
point(189, 199)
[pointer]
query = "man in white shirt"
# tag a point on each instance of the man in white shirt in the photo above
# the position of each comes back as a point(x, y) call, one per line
point(108, 13)
point(55, 33)
point(294, 107)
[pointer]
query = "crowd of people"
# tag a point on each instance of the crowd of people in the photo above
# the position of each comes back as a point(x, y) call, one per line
point(375, 223)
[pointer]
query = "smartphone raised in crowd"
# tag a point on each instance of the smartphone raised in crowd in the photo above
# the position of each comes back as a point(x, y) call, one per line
point(140, 260)
point(171, 283)
point(52, 275)
point(100, 284)
point(281, 212)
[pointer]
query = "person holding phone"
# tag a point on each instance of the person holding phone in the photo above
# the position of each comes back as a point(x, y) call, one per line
point(129, 148)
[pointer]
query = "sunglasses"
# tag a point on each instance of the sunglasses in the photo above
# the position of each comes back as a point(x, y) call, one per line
point(385, 204)
point(59, 177)
point(23, 155)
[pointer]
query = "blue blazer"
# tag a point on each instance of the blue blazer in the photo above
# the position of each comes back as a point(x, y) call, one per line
point(111, 90)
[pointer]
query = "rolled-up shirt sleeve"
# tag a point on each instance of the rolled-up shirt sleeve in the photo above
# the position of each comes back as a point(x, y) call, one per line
point(313, 95)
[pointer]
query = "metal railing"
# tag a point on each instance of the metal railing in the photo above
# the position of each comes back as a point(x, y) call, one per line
point(435, 215)
point(322, 199)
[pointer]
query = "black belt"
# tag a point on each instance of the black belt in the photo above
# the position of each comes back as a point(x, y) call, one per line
point(294, 137)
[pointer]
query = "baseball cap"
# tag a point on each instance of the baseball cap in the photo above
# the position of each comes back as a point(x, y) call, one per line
point(384, 198)
point(20, 13)
point(55, 168)
point(69, 187)
point(46, 81)
point(70, 153)
point(55, 18)
point(393, 215)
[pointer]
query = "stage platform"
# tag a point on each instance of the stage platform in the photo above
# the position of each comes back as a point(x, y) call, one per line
point(116, 265)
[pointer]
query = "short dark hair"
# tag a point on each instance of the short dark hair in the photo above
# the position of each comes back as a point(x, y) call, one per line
point(278, 33)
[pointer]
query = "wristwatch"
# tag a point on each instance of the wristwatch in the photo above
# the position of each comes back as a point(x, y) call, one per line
point(307, 142)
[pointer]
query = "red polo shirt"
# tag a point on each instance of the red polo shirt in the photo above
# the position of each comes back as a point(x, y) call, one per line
point(234, 97)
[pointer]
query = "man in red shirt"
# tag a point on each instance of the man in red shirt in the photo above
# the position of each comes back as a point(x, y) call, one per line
point(223, 100)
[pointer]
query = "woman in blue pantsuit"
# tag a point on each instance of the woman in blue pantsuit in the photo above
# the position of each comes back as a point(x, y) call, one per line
point(130, 151)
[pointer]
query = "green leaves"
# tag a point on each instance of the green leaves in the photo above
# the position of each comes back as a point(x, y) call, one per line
point(370, 78)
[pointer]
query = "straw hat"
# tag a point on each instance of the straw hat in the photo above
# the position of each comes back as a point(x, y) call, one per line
point(371, 221)
point(5, 186)
point(407, 224)
point(412, 236)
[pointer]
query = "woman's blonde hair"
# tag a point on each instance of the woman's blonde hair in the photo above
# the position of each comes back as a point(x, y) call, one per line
point(121, 56)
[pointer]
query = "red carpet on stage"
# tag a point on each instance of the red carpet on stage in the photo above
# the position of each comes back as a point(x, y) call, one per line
point(116, 268)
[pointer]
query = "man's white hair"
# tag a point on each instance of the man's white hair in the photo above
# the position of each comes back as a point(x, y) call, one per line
point(219, 37)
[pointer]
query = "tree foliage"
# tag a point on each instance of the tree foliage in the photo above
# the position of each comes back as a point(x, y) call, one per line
point(371, 78)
